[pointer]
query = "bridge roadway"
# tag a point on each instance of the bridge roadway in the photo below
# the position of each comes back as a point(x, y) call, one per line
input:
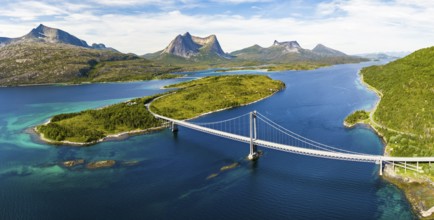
point(298, 150)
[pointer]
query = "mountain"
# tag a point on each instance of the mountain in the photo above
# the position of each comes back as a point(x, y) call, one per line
point(288, 46)
point(191, 48)
point(405, 119)
point(291, 51)
point(326, 51)
point(384, 55)
point(41, 62)
point(46, 34)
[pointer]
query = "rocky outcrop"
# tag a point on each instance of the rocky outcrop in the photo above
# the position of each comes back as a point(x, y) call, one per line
point(101, 164)
point(288, 46)
point(187, 46)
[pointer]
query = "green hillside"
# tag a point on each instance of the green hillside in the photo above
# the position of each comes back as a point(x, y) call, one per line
point(213, 93)
point(407, 104)
point(41, 63)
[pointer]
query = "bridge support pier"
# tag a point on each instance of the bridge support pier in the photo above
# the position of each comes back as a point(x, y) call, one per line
point(381, 168)
point(174, 127)
point(253, 155)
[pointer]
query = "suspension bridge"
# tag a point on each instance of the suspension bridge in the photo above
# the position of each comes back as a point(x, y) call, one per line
point(256, 130)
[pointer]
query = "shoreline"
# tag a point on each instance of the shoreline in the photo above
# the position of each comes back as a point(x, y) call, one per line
point(110, 137)
point(389, 174)
point(126, 134)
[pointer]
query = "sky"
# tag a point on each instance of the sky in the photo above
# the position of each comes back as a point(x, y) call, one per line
point(145, 26)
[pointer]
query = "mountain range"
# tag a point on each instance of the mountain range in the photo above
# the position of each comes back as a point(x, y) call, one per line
point(50, 55)
point(46, 34)
point(187, 48)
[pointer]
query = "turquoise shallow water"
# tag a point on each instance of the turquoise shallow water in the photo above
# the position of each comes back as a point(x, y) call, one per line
point(171, 177)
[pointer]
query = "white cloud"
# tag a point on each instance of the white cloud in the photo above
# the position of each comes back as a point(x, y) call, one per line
point(362, 26)
point(241, 1)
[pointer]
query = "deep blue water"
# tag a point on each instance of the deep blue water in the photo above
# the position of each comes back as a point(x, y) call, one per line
point(171, 180)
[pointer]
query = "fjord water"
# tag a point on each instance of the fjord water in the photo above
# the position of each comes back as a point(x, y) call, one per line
point(173, 177)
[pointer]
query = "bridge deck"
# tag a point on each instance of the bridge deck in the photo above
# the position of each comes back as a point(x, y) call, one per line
point(298, 150)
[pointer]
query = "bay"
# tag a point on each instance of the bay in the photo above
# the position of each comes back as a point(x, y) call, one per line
point(179, 177)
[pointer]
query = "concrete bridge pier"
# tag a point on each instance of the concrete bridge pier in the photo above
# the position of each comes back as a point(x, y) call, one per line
point(253, 155)
point(381, 168)
point(174, 127)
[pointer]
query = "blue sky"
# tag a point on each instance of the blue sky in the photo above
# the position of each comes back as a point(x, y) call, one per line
point(143, 26)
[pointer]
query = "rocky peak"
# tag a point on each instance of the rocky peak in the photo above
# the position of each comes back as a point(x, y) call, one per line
point(47, 34)
point(289, 46)
point(187, 46)
point(326, 51)
point(52, 35)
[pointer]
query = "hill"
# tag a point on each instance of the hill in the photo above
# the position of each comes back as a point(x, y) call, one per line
point(44, 34)
point(41, 63)
point(291, 52)
point(405, 118)
point(407, 103)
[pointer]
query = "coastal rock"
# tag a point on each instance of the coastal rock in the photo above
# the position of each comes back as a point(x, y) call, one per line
point(101, 164)
point(212, 176)
point(72, 163)
point(130, 163)
point(230, 166)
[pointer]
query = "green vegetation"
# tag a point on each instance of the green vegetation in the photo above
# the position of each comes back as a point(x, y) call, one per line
point(130, 70)
point(213, 93)
point(406, 109)
point(405, 118)
point(193, 98)
point(41, 63)
point(356, 117)
point(92, 125)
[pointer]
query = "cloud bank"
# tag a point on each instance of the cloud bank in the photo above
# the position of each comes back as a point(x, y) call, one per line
point(353, 26)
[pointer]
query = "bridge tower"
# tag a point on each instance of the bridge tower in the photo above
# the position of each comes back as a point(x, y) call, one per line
point(174, 127)
point(253, 155)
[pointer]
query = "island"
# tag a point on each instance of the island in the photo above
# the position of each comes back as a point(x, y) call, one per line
point(210, 94)
point(192, 99)
point(404, 118)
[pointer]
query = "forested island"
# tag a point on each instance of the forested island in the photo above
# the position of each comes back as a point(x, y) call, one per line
point(193, 99)
point(214, 93)
point(404, 117)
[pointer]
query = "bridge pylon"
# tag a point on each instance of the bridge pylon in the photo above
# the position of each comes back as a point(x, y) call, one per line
point(174, 127)
point(253, 155)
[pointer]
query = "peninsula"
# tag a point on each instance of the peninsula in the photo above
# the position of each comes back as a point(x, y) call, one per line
point(404, 117)
point(193, 99)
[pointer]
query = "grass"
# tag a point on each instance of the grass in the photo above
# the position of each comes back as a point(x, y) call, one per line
point(213, 93)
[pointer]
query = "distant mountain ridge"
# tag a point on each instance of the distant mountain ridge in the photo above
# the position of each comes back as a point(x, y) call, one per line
point(46, 34)
point(289, 51)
